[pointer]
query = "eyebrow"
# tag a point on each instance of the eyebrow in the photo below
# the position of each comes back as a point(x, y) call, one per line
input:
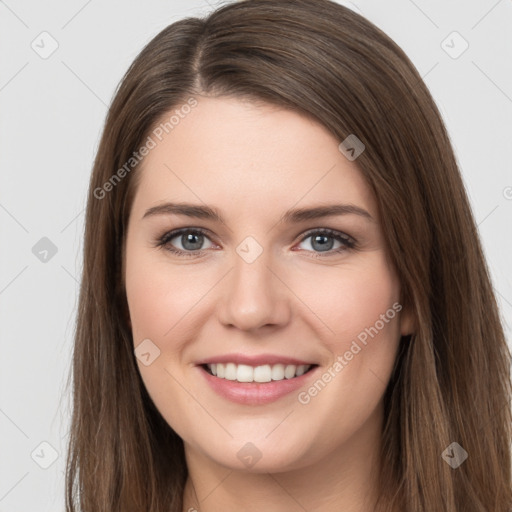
point(291, 216)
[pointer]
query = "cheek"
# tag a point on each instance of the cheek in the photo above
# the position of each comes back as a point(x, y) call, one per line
point(158, 296)
point(362, 311)
point(354, 294)
point(161, 306)
point(371, 297)
point(147, 297)
point(358, 304)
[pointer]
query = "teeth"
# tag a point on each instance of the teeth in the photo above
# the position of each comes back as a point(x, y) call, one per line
point(289, 371)
point(264, 373)
point(301, 370)
point(230, 371)
point(277, 372)
point(244, 373)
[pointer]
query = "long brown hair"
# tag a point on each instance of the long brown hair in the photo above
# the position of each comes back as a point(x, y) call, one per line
point(451, 381)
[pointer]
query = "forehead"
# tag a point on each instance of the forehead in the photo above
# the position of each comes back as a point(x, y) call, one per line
point(253, 158)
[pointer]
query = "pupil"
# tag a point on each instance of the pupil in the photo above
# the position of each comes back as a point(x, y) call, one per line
point(323, 245)
point(189, 239)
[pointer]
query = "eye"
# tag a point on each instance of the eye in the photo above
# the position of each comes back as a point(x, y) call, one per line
point(191, 240)
point(322, 241)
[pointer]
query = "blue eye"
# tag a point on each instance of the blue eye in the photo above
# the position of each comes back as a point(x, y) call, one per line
point(322, 241)
point(192, 240)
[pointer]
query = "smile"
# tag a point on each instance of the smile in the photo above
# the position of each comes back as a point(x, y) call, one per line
point(256, 380)
point(261, 373)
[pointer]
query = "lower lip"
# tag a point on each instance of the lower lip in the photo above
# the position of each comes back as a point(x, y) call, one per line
point(255, 393)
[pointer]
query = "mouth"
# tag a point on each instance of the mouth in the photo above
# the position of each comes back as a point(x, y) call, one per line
point(262, 382)
point(245, 373)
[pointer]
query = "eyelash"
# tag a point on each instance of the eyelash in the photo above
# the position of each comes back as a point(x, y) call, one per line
point(349, 243)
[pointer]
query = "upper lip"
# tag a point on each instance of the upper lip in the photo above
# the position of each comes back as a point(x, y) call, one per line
point(254, 360)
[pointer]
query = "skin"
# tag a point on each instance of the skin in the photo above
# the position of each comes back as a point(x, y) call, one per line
point(254, 162)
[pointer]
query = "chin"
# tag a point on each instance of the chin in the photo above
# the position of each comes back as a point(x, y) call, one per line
point(259, 455)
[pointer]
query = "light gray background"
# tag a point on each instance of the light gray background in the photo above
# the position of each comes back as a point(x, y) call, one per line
point(51, 115)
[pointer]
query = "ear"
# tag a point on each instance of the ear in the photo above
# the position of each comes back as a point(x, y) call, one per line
point(126, 312)
point(128, 319)
point(407, 321)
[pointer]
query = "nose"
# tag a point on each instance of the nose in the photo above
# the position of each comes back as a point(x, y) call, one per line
point(254, 295)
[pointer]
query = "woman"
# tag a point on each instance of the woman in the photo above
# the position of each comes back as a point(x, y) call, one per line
point(284, 302)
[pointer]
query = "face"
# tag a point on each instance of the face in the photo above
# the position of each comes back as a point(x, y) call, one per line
point(268, 333)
